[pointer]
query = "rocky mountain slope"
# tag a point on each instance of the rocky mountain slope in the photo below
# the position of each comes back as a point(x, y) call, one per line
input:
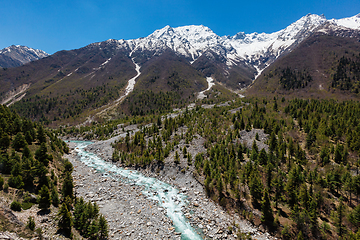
point(319, 67)
point(174, 63)
point(15, 56)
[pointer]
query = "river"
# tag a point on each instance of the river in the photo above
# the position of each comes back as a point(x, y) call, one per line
point(164, 194)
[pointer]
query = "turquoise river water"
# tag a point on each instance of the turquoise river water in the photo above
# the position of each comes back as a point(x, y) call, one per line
point(164, 194)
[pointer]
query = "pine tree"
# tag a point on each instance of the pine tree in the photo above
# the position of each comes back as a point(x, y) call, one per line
point(340, 218)
point(1, 182)
point(242, 124)
point(54, 197)
point(42, 156)
point(65, 220)
point(31, 223)
point(256, 187)
point(354, 217)
point(41, 136)
point(103, 228)
point(291, 148)
point(44, 199)
point(79, 211)
point(4, 140)
point(92, 230)
point(263, 158)
point(278, 188)
point(273, 142)
point(177, 158)
point(267, 216)
point(68, 186)
point(19, 141)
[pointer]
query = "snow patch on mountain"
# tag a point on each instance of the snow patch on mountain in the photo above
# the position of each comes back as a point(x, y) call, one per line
point(351, 22)
point(192, 41)
point(210, 81)
point(255, 49)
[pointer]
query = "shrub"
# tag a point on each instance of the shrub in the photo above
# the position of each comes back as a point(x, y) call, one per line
point(1, 182)
point(31, 223)
point(15, 206)
point(26, 205)
point(6, 187)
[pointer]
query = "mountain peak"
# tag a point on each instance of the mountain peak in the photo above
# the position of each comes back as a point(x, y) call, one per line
point(167, 30)
point(20, 55)
point(350, 22)
point(239, 35)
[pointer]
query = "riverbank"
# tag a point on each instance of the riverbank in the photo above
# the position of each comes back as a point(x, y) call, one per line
point(131, 215)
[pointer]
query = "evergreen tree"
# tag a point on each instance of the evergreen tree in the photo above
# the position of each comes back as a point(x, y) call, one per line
point(1, 182)
point(68, 186)
point(4, 140)
point(256, 187)
point(92, 230)
point(291, 147)
point(354, 217)
point(337, 155)
point(54, 197)
point(19, 141)
point(44, 198)
point(279, 189)
point(340, 219)
point(103, 228)
point(65, 220)
point(177, 158)
point(42, 156)
point(267, 216)
point(310, 138)
point(41, 172)
point(263, 158)
point(273, 142)
point(79, 211)
point(28, 137)
point(41, 136)
point(31, 223)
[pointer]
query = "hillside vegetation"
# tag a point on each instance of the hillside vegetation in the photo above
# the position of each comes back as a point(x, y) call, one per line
point(322, 66)
point(33, 172)
point(297, 176)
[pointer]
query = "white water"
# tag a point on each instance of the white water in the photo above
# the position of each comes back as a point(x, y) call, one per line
point(211, 83)
point(167, 196)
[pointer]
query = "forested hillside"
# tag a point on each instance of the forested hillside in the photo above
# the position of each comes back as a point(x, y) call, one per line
point(322, 67)
point(34, 175)
point(297, 176)
point(347, 75)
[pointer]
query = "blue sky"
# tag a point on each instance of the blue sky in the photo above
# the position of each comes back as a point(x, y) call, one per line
point(69, 24)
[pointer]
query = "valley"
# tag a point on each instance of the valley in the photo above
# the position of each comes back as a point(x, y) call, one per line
point(144, 213)
point(184, 134)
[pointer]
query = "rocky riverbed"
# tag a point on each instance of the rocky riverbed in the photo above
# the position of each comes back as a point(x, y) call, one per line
point(132, 215)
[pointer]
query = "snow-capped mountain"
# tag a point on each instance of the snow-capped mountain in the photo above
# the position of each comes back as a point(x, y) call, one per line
point(17, 55)
point(256, 50)
point(351, 22)
point(177, 60)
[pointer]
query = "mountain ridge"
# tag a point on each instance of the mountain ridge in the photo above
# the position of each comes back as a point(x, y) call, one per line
point(17, 55)
point(95, 75)
point(193, 40)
